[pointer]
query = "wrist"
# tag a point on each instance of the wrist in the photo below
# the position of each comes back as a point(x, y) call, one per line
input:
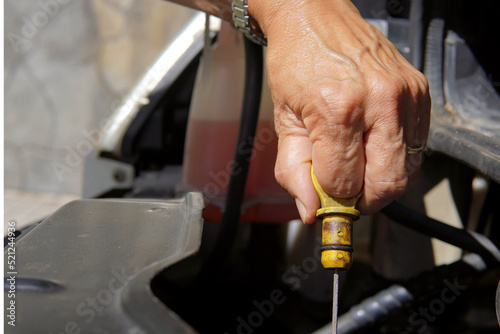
point(262, 10)
point(287, 16)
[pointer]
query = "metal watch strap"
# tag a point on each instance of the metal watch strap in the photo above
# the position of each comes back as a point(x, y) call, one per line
point(241, 20)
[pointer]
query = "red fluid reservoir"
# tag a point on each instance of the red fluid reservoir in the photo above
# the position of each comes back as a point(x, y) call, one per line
point(212, 134)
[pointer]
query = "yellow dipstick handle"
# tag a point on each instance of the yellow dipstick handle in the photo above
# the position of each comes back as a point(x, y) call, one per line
point(338, 215)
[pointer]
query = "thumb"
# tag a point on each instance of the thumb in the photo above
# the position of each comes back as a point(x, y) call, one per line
point(293, 171)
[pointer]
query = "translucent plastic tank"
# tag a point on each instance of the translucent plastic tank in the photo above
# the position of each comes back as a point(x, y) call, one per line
point(212, 133)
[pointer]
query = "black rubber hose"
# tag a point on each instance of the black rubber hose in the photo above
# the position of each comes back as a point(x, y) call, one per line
point(488, 206)
point(254, 63)
point(439, 230)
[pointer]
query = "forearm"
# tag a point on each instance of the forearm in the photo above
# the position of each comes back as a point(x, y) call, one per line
point(283, 13)
point(219, 8)
point(280, 14)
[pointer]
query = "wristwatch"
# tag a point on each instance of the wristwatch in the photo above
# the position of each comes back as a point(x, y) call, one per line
point(247, 24)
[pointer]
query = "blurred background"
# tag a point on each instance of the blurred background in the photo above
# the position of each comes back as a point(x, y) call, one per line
point(68, 64)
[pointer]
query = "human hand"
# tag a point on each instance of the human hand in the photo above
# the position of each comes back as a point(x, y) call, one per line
point(345, 100)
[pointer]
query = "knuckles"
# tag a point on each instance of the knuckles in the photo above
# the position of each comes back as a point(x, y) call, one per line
point(331, 104)
point(395, 86)
point(388, 87)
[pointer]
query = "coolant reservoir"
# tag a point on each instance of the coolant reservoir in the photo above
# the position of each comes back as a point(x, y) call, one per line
point(212, 133)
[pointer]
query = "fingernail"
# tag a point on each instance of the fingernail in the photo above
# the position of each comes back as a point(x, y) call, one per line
point(302, 210)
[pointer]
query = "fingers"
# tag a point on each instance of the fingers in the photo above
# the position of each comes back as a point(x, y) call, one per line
point(392, 128)
point(331, 137)
point(386, 176)
point(336, 131)
point(416, 125)
point(353, 147)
